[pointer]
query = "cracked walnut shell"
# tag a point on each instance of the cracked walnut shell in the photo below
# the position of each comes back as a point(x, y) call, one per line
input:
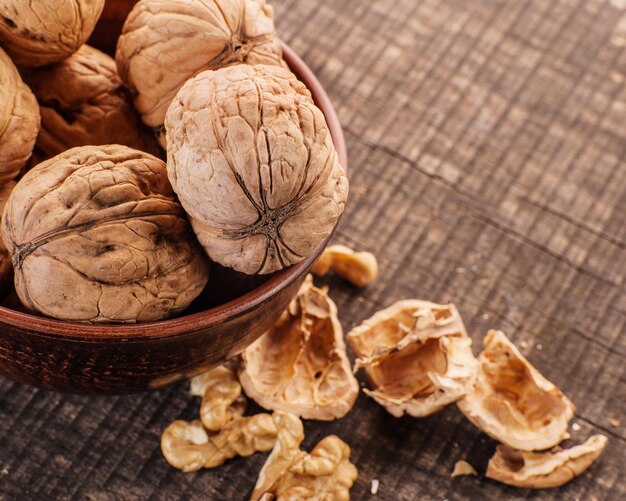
point(543, 470)
point(83, 102)
point(19, 120)
point(40, 32)
point(417, 357)
point(253, 163)
point(166, 42)
point(358, 268)
point(300, 365)
point(512, 402)
point(96, 235)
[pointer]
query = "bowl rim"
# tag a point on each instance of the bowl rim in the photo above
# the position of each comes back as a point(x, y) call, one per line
point(179, 326)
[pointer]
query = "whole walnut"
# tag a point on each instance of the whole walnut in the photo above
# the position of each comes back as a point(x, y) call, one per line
point(19, 120)
point(166, 42)
point(96, 235)
point(40, 32)
point(6, 268)
point(253, 163)
point(83, 102)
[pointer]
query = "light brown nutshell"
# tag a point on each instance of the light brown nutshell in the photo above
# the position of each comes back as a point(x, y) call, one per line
point(289, 473)
point(417, 357)
point(6, 268)
point(83, 102)
point(166, 42)
point(19, 120)
point(300, 365)
point(253, 163)
point(40, 32)
point(358, 268)
point(512, 402)
point(542, 470)
point(96, 235)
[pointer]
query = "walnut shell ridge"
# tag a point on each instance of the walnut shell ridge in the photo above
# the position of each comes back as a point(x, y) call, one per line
point(40, 32)
point(96, 235)
point(253, 163)
point(166, 42)
point(19, 120)
point(84, 102)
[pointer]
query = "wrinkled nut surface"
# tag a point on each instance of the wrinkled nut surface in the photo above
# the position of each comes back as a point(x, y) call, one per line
point(19, 120)
point(222, 401)
point(463, 468)
point(83, 102)
point(188, 447)
point(166, 42)
point(253, 163)
point(417, 357)
point(290, 473)
point(542, 470)
point(40, 32)
point(300, 365)
point(6, 268)
point(96, 235)
point(512, 402)
point(358, 268)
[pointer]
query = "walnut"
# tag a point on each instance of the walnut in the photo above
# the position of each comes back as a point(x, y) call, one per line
point(462, 469)
point(19, 120)
point(166, 42)
point(83, 102)
point(359, 268)
point(543, 470)
point(96, 235)
point(300, 365)
point(6, 268)
point(290, 473)
point(512, 402)
point(417, 357)
point(40, 32)
point(253, 163)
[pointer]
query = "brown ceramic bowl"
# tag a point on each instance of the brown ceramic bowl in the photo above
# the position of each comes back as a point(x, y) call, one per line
point(112, 359)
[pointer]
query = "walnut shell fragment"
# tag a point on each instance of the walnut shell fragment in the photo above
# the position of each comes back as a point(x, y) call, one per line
point(290, 473)
point(83, 102)
point(253, 163)
point(417, 357)
point(166, 42)
point(40, 32)
point(19, 120)
point(358, 268)
point(512, 402)
point(96, 235)
point(6, 267)
point(542, 470)
point(462, 469)
point(300, 365)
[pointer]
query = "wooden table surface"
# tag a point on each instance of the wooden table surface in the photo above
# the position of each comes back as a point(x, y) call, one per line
point(487, 144)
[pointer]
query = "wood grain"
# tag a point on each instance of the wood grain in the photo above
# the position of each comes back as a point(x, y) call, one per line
point(487, 144)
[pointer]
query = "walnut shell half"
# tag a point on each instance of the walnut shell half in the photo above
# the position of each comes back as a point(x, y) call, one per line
point(19, 120)
point(417, 357)
point(166, 42)
point(83, 102)
point(253, 163)
point(40, 32)
point(542, 470)
point(300, 365)
point(512, 402)
point(96, 235)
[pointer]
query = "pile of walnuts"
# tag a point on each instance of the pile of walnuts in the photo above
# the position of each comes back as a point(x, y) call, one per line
point(97, 227)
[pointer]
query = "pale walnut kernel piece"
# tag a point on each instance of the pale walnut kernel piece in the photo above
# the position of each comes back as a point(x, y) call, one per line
point(83, 102)
point(222, 401)
point(417, 357)
point(290, 473)
point(463, 468)
point(166, 42)
point(543, 470)
point(359, 268)
point(300, 365)
point(19, 120)
point(96, 235)
point(188, 447)
point(253, 163)
point(512, 402)
point(6, 268)
point(40, 32)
